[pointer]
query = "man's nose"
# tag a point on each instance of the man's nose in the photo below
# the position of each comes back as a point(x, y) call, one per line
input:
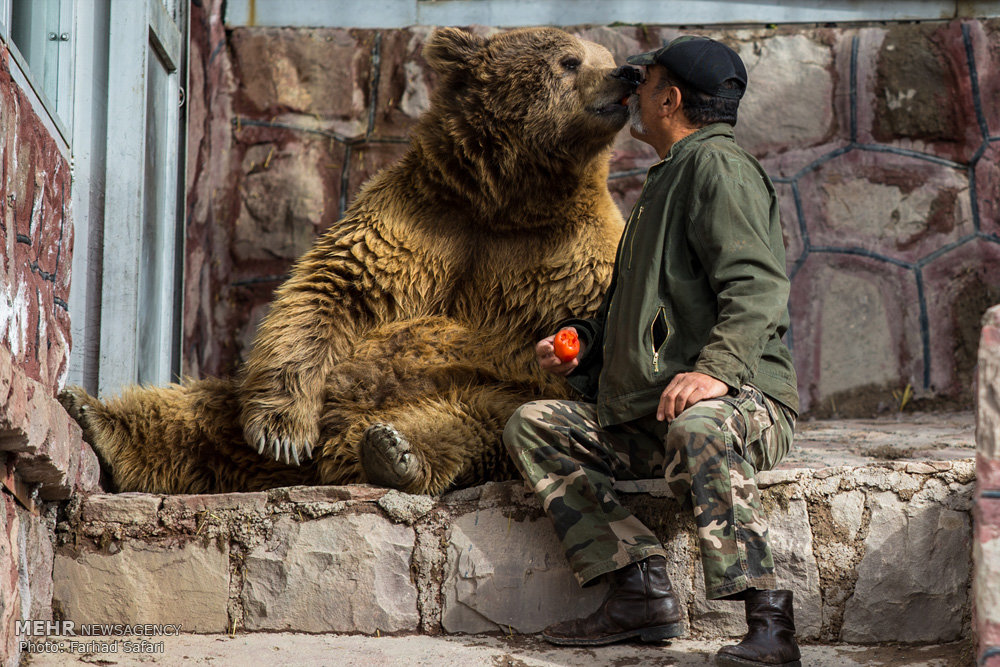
point(628, 73)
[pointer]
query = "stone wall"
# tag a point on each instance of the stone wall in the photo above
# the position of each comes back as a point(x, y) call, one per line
point(986, 543)
point(42, 456)
point(874, 554)
point(881, 140)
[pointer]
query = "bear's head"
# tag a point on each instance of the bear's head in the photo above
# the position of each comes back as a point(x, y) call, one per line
point(523, 111)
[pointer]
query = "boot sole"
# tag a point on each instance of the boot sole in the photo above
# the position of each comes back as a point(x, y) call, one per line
point(733, 661)
point(654, 634)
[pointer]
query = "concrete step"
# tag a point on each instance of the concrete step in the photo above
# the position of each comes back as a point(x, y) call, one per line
point(876, 553)
point(281, 649)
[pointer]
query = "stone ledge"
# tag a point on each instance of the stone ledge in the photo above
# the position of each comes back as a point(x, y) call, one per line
point(47, 444)
point(871, 553)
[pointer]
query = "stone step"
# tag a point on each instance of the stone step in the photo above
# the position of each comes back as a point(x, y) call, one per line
point(919, 436)
point(879, 553)
point(280, 649)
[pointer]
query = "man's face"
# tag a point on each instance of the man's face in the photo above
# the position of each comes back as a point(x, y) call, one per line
point(644, 102)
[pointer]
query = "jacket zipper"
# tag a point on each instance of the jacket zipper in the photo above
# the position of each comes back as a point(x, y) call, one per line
point(628, 228)
point(652, 339)
point(631, 241)
point(611, 300)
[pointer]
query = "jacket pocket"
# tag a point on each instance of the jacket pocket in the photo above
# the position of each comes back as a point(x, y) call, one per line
point(659, 331)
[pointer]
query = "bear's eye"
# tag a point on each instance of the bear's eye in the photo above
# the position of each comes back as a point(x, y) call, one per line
point(570, 64)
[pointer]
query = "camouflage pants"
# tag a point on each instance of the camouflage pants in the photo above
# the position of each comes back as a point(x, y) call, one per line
point(709, 455)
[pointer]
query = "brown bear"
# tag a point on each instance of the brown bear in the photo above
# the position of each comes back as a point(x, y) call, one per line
point(404, 338)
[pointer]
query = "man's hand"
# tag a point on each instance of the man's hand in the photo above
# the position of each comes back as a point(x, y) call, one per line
point(686, 389)
point(548, 361)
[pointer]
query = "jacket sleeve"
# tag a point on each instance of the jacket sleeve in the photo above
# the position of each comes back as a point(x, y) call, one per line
point(730, 229)
point(584, 378)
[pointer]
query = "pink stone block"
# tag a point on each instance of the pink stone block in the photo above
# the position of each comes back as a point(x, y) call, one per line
point(197, 504)
point(88, 478)
point(404, 83)
point(289, 194)
point(989, 635)
point(988, 392)
point(130, 508)
point(987, 472)
point(986, 578)
point(914, 89)
point(984, 36)
point(850, 313)
point(959, 287)
point(988, 189)
point(987, 521)
point(298, 75)
point(46, 441)
point(313, 494)
point(898, 206)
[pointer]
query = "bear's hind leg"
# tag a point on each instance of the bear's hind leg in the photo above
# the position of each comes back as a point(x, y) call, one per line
point(89, 413)
point(440, 443)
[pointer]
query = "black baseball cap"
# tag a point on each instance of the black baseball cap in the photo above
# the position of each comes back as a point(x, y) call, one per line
point(701, 62)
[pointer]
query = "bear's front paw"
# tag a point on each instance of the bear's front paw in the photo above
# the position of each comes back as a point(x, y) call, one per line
point(275, 435)
point(387, 457)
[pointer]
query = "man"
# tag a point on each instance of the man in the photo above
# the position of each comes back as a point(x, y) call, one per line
point(684, 370)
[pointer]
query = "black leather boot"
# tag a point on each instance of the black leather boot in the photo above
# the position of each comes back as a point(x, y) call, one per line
point(770, 640)
point(641, 603)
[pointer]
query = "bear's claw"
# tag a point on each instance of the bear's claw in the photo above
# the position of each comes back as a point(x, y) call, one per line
point(283, 450)
point(275, 445)
point(387, 457)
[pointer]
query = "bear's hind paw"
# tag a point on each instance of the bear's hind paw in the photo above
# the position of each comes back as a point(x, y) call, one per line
point(387, 457)
point(74, 401)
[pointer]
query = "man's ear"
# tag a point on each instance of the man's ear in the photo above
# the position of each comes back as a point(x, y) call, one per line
point(672, 101)
point(449, 49)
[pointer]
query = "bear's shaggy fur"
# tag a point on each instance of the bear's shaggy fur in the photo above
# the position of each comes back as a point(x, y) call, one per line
point(404, 338)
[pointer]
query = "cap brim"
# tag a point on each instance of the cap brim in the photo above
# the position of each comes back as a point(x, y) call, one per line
point(647, 58)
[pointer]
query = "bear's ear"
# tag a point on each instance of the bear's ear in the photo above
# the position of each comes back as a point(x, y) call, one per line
point(448, 49)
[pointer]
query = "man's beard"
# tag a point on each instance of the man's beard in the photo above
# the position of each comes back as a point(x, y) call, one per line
point(634, 118)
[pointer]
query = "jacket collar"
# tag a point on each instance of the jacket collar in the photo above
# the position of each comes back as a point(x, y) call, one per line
point(696, 137)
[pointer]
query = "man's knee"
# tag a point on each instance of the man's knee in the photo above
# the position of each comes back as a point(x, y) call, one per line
point(544, 423)
point(514, 429)
point(693, 428)
point(523, 426)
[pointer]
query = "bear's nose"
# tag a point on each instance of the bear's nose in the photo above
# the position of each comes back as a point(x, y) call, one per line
point(628, 73)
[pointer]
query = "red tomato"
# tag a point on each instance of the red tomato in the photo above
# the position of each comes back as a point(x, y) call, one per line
point(566, 345)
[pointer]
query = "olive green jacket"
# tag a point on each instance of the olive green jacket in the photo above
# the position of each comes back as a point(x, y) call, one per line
point(699, 285)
